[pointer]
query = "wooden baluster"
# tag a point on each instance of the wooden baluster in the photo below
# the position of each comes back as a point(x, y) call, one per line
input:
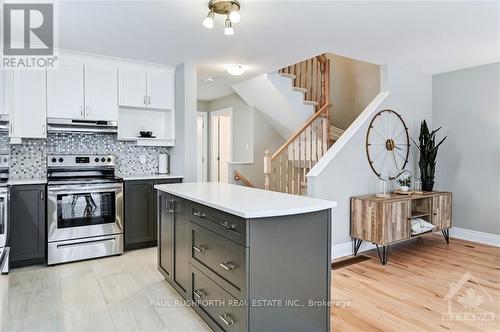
point(294, 158)
point(306, 82)
point(267, 170)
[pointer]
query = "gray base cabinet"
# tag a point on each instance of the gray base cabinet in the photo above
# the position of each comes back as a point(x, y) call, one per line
point(140, 213)
point(265, 274)
point(27, 219)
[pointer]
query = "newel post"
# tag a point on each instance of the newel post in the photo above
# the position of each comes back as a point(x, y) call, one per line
point(267, 170)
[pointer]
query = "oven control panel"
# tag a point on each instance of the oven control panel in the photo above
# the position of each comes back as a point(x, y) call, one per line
point(80, 160)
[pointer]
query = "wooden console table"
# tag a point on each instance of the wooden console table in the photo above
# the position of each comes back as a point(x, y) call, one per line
point(386, 221)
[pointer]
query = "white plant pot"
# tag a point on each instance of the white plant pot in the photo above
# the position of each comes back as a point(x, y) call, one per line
point(404, 188)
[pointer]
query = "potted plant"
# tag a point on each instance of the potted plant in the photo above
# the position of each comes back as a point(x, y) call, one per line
point(428, 152)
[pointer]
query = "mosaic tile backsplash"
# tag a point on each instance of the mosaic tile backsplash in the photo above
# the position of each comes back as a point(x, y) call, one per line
point(29, 159)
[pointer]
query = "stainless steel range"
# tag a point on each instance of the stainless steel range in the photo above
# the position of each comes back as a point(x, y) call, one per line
point(4, 222)
point(84, 208)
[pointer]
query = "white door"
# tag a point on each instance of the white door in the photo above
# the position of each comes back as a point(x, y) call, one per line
point(65, 95)
point(160, 88)
point(220, 144)
point(27, 91)
point(132, 87)
point(201, 147)
point(101, 92)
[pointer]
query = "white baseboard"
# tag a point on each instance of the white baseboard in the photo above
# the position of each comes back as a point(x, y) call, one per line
point(345, 249)
point(475, 236)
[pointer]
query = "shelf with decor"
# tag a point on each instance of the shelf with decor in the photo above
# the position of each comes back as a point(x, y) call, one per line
point(161, 124)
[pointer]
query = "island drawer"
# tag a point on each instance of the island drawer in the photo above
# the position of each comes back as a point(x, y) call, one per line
point(225, 224)
point(222, 259)
point(224, 311)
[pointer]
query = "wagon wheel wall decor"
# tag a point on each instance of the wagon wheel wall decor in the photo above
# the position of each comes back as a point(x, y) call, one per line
point(387, 144)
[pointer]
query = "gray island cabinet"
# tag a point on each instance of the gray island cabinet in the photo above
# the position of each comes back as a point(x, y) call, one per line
point(247, 259)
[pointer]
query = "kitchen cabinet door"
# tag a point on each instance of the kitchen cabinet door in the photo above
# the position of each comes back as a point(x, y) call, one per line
point(182, 248)
point(441, 211)
point(140, 232)
point(101, 89)
point(132, 88)
point(25, 93)
point(165, 238)
point(27, 225)
point(3, 109)
point(65, 94)
point(160, 89)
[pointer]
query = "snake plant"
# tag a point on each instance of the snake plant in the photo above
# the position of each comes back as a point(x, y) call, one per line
point(428, 152)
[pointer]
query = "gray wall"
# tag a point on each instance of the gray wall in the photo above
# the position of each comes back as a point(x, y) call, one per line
point(466, 103)
point(183, 160)
point(253, 135)
point(348, 173)
point(242, 125)
point(353, 85)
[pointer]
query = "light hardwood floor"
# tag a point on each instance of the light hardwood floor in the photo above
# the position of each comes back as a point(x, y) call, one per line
point(121, 293)
point(408, 294)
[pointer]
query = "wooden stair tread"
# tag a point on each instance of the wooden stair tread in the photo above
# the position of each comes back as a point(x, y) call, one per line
point(292, 76)
point(310, 102)
point(295, 88)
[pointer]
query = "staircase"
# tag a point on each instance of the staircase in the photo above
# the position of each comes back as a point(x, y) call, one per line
point(286, 169)
point(282, 104)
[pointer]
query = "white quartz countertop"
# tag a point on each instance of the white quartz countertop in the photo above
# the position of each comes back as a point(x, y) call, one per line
point(130, 177)
point(245, 202)
point(18, 182)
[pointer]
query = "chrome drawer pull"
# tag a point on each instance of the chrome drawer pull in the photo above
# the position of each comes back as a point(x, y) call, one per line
point(200, 249)
point(226, 225)
point(228, 266)
point(226, 319)
point(199, 293)
point(197, 213)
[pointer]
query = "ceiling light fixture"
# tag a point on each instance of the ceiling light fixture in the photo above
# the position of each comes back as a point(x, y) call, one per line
point(228, 27)
point(208, 22)
point(235, 69)
point(209, 79)
point(228, 8)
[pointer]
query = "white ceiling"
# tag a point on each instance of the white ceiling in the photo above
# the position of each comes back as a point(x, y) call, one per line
point(431, 37)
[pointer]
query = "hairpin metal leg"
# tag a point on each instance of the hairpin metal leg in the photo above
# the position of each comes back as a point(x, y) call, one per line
point(384, 256)
point(356, 244)
point(446, 235)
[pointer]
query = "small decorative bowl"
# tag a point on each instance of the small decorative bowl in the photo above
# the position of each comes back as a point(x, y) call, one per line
point(404, 188)
point(146, 133)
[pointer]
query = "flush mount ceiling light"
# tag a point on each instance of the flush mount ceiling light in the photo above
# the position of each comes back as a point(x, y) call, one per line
point(228, 8)
point(235, 69)
point(209, 79)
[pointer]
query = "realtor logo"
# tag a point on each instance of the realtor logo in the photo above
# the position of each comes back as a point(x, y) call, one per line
point(28, 36)
point(470, 296)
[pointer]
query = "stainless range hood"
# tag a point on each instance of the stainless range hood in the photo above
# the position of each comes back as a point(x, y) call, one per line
point(89, 126)
point(4, 122)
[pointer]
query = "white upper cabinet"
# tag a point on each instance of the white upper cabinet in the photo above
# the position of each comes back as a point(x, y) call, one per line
point(148, 88)
point(101, 92)
point(25, 97)
point(160, 87)
point(65, 94)
point(82, 88)
point(132, 88)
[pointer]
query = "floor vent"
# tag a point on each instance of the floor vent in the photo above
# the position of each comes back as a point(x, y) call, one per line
point(349, 261)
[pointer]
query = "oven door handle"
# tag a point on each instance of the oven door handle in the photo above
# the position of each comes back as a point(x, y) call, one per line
point(84, 191)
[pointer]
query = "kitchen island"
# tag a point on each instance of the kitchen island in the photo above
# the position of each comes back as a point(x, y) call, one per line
point(247, 259)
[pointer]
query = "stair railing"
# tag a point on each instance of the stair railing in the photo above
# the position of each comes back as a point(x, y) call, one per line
point(286, 169)
point(312, 75)
point(238, 177)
